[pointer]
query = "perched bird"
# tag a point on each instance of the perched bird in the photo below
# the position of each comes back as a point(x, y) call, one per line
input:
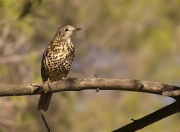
point(56, 60)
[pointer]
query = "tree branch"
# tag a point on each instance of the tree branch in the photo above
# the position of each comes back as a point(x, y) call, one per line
point(78, 84)
point(151, 118)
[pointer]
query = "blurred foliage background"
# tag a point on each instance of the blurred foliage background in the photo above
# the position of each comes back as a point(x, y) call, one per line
point(135, 39)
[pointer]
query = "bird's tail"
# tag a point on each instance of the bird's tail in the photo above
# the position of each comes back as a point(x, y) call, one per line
point(44, 101)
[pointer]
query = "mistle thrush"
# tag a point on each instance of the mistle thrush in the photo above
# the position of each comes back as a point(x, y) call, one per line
point(56, 60)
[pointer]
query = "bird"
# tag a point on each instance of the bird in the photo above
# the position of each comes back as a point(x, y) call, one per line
point(56, 60)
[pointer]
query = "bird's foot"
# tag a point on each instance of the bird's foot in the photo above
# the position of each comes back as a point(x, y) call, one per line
point(48, 82)
point(39, 87)
point(65, 79)
point(36, 85)
point(44, 89)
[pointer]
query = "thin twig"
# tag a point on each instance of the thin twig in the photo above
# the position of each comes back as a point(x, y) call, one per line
point(44, 120)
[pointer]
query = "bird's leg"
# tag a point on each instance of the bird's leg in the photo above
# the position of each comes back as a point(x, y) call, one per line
point(41, 85)
point(48, 82)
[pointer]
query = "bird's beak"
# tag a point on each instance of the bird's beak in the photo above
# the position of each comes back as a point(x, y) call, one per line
point(77, 29)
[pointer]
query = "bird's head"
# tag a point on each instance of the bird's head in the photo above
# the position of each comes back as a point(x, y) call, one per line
point(66, 31)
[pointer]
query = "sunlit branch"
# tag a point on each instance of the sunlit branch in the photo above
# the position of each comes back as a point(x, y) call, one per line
point(78, 84)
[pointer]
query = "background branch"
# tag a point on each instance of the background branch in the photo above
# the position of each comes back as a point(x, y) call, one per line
point(151, 118)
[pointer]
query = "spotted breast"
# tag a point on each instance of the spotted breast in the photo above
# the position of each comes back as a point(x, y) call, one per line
point(57, 60)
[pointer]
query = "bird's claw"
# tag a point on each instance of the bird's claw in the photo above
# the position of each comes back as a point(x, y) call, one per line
point(36, 85)
point(39, 87)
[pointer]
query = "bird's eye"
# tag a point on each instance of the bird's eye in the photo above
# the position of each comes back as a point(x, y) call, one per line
point(66, 29)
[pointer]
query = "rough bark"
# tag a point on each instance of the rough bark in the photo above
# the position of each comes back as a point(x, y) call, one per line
point(78, 84)
point(98, 84)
